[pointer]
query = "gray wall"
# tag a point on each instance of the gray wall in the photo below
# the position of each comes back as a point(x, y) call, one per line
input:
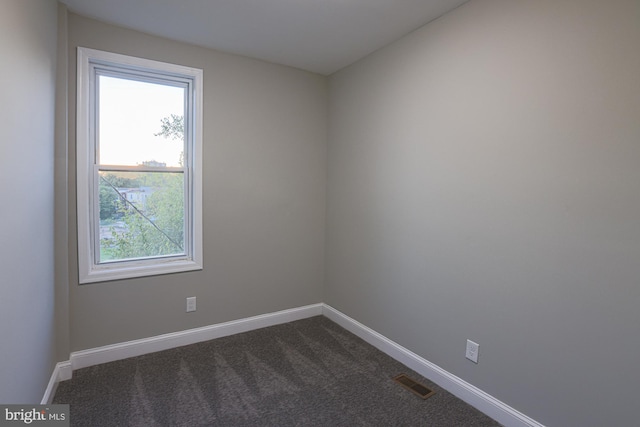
point(264, 197)
point(28, 73)
point(483, 183)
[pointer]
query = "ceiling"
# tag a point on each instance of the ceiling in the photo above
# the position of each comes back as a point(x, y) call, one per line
point(322, 36)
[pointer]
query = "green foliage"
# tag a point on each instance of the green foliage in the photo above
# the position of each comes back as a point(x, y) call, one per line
point(121, 181)
point(157, 228)
point(172, 127)
point(108, 202)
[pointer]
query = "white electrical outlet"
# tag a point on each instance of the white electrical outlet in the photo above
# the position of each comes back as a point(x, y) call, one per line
point(472, 351)
point(191, 304)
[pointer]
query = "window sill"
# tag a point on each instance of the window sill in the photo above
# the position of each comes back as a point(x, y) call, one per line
point(129, 271)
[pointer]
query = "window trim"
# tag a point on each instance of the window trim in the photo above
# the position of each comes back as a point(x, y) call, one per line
point(87, 187)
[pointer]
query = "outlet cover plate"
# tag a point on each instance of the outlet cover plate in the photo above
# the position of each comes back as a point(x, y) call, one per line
point(191, 304)
point(472, 351)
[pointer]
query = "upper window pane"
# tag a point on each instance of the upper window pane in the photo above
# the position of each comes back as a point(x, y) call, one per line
point(141, 123)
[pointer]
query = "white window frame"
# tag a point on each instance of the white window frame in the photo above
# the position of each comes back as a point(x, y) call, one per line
point(89, 269)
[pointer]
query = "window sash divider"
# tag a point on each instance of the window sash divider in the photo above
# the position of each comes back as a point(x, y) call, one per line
point(141, 168)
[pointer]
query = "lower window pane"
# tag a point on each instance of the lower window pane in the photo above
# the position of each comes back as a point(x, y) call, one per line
point(141, 215)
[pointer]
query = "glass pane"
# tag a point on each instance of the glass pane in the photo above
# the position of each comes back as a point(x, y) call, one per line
point(141, 215)
point(140, 123)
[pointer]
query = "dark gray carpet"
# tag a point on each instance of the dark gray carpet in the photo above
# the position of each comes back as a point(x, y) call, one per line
point(310, 372)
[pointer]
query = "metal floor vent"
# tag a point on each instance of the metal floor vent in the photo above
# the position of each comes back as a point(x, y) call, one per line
point(414, 386)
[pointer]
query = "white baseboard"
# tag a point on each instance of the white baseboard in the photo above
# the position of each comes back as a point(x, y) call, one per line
point(61, 372)
point(110, 353)
point(470, 394)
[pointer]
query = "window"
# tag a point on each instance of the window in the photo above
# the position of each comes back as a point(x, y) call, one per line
point(139, 167)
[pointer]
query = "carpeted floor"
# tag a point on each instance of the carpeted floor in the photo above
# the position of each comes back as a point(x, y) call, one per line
point(310, 372)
